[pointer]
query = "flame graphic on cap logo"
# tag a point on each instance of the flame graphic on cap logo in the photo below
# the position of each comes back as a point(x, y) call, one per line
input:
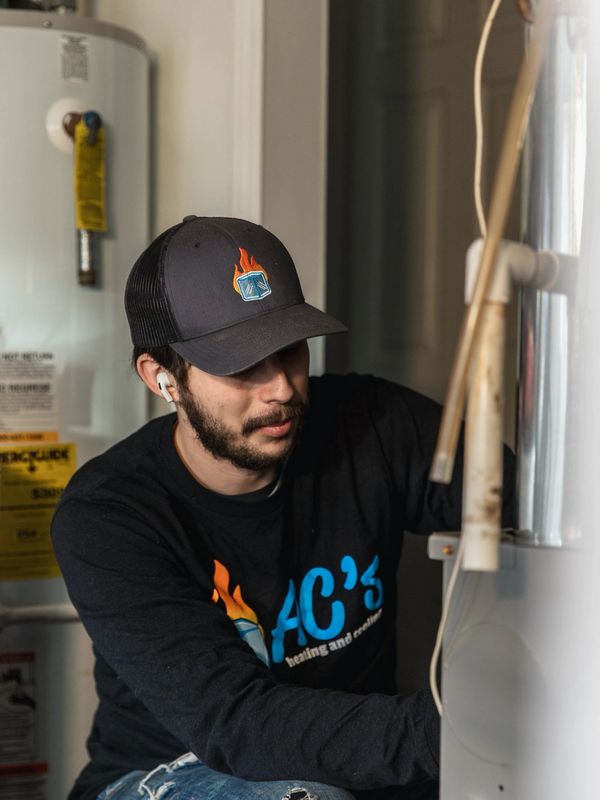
point(250, 280)
point(243, 617)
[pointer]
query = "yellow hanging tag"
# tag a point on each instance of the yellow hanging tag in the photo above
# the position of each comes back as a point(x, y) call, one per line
point(89, 169)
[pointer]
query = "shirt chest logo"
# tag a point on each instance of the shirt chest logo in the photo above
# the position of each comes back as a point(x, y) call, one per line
point(314, 619)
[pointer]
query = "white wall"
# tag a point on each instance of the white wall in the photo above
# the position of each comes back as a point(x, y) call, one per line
point(191, 42)
point(295, 103)
point(239, 121)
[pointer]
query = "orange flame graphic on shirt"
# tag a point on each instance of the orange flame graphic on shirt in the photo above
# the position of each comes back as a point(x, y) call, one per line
point(235, 605)
point(247, 264)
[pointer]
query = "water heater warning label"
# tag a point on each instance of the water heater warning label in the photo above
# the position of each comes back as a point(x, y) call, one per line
point(27, 392)
point(21, 775)
point(17, 706)
point(32, 479)
point(74, 57)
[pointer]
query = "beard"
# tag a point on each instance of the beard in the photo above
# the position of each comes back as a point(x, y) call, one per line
point(222, 442)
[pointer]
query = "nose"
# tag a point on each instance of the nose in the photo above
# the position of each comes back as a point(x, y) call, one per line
point(276, 385)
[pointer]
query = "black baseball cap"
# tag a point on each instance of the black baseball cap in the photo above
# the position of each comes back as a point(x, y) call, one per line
point(222, 292)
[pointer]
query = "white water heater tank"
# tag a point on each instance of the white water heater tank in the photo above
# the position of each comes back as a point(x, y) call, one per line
point(66, 388)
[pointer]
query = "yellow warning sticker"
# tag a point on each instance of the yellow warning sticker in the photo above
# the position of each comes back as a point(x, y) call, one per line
point(14, 437)
point(32, 479)
point(89, 167)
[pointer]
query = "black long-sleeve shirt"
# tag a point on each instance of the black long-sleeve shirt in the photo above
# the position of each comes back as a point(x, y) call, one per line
point(259, 631)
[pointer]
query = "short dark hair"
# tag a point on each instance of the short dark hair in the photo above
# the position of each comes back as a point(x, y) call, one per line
point(167, 358)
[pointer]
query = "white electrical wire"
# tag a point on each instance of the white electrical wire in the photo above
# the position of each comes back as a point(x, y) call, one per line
point(479, 114)
point(442, 626)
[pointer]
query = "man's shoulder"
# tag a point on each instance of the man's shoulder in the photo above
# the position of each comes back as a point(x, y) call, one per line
point(366, 389)
point(331, 386)
point(131, 461)
point(349, 406)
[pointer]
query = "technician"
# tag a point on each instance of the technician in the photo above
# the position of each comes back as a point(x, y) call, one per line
point(234, 562)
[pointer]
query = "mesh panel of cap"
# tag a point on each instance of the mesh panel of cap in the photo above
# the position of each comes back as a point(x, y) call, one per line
point(148, 310)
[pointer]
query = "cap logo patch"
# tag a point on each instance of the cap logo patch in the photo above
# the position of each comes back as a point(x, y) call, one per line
point(250, 280)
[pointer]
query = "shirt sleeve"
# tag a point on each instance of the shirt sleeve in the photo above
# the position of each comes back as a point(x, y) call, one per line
point(407, 425)
point(156, 626)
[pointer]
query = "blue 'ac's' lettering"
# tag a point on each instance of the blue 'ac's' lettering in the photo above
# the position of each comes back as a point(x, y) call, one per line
point(298, 614)
point(349, 568)
point(287, 622)
point(338, 613)
point(372, 601)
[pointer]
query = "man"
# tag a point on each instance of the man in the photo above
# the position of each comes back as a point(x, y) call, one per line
point(234, 563)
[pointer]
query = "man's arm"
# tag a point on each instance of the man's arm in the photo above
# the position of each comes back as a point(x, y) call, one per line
point(407, 424)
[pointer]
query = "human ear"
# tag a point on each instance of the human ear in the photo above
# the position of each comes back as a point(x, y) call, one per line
point(156, 378)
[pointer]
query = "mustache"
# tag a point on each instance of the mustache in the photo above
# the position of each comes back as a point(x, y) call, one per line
point(287, 411)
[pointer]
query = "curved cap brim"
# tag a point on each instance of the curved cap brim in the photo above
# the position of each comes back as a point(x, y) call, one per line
point(243, 345)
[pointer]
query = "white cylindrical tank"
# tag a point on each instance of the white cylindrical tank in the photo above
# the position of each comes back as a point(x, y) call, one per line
point(66, 389)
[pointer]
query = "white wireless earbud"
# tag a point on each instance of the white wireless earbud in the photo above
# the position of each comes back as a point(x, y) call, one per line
point(162, 379)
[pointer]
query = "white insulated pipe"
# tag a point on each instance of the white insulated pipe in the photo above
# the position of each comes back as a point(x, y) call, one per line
point(482, 478)
point(518, 263)
point(482, 499)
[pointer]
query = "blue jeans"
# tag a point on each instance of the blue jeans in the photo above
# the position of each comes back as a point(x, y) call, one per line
point(186, 778)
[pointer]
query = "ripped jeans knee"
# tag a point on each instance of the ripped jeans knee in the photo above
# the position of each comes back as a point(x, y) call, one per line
point(187, 778)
